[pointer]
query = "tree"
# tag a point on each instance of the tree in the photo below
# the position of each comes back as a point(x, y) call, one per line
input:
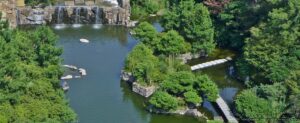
point(192, 21)
point(236, 19)
point(261, 104)
point(192, 97)
point(253, 107)
point(272, 47)
point(178, 82)
point(171, 43)
point(207, 87)
point(142, 63)
point(28, 88)
point(142, 8)
point(163, 100)
point(147, 34)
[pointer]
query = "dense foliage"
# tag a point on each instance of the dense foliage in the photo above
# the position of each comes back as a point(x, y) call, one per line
point(153, 61)
point(167, 43)
point(192, 21)
point(142, 8)
point(29, 83)
point(143, 64)
point(37, 2)
point(267, 35)
point(164, 101)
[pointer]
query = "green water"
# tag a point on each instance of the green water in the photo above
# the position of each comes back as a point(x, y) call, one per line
point(100, 97)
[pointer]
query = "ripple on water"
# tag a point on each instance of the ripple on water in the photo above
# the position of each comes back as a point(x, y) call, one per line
point(77, 25)
point(97, 26)
point(59, 26)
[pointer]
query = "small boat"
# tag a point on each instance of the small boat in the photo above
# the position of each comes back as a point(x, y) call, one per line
point(84, 40)
point(67, 77)
point(65, 86)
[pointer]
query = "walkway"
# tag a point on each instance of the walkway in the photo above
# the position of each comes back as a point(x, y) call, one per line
point(226, 110)
point(211, 63)
point(220, 101)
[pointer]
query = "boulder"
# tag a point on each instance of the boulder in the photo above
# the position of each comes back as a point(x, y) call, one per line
point(127, 76)
point(193, 112)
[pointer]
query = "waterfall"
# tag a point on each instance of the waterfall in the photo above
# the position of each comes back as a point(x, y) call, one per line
point(98, 19)
point(77, 15)
point(77, 22)
point(60, 15)
point(59, 18)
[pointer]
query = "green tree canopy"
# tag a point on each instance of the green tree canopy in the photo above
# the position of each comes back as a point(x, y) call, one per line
point(147, 34)
point(273, 45)
point(178, 82)
point(192, 21)
point(163, 100)
point(192, 97)
point(172, 43)
point(206, 86)
point(29, 83)
point(142, 63)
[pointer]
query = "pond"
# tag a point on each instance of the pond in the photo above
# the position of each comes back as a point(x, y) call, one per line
point(100, 97)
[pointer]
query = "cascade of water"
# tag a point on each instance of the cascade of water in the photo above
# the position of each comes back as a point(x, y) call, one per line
point(98, 20)
point(77, 15)
point(60, 15)
point(59, 19)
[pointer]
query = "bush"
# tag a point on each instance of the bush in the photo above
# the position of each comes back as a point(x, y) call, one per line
point(207, 87)
point(192, 97)
point(142, 63)
point(163, 100)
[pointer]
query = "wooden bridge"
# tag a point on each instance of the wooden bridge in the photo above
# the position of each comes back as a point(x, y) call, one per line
point(226, 110)
point(211, 63)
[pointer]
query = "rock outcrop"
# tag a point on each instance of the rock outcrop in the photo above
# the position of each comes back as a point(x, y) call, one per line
point(187, 111)
point(127, 76)
point(188, 56)
point(111, 15)
point(7, 9)
point(144, 91)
